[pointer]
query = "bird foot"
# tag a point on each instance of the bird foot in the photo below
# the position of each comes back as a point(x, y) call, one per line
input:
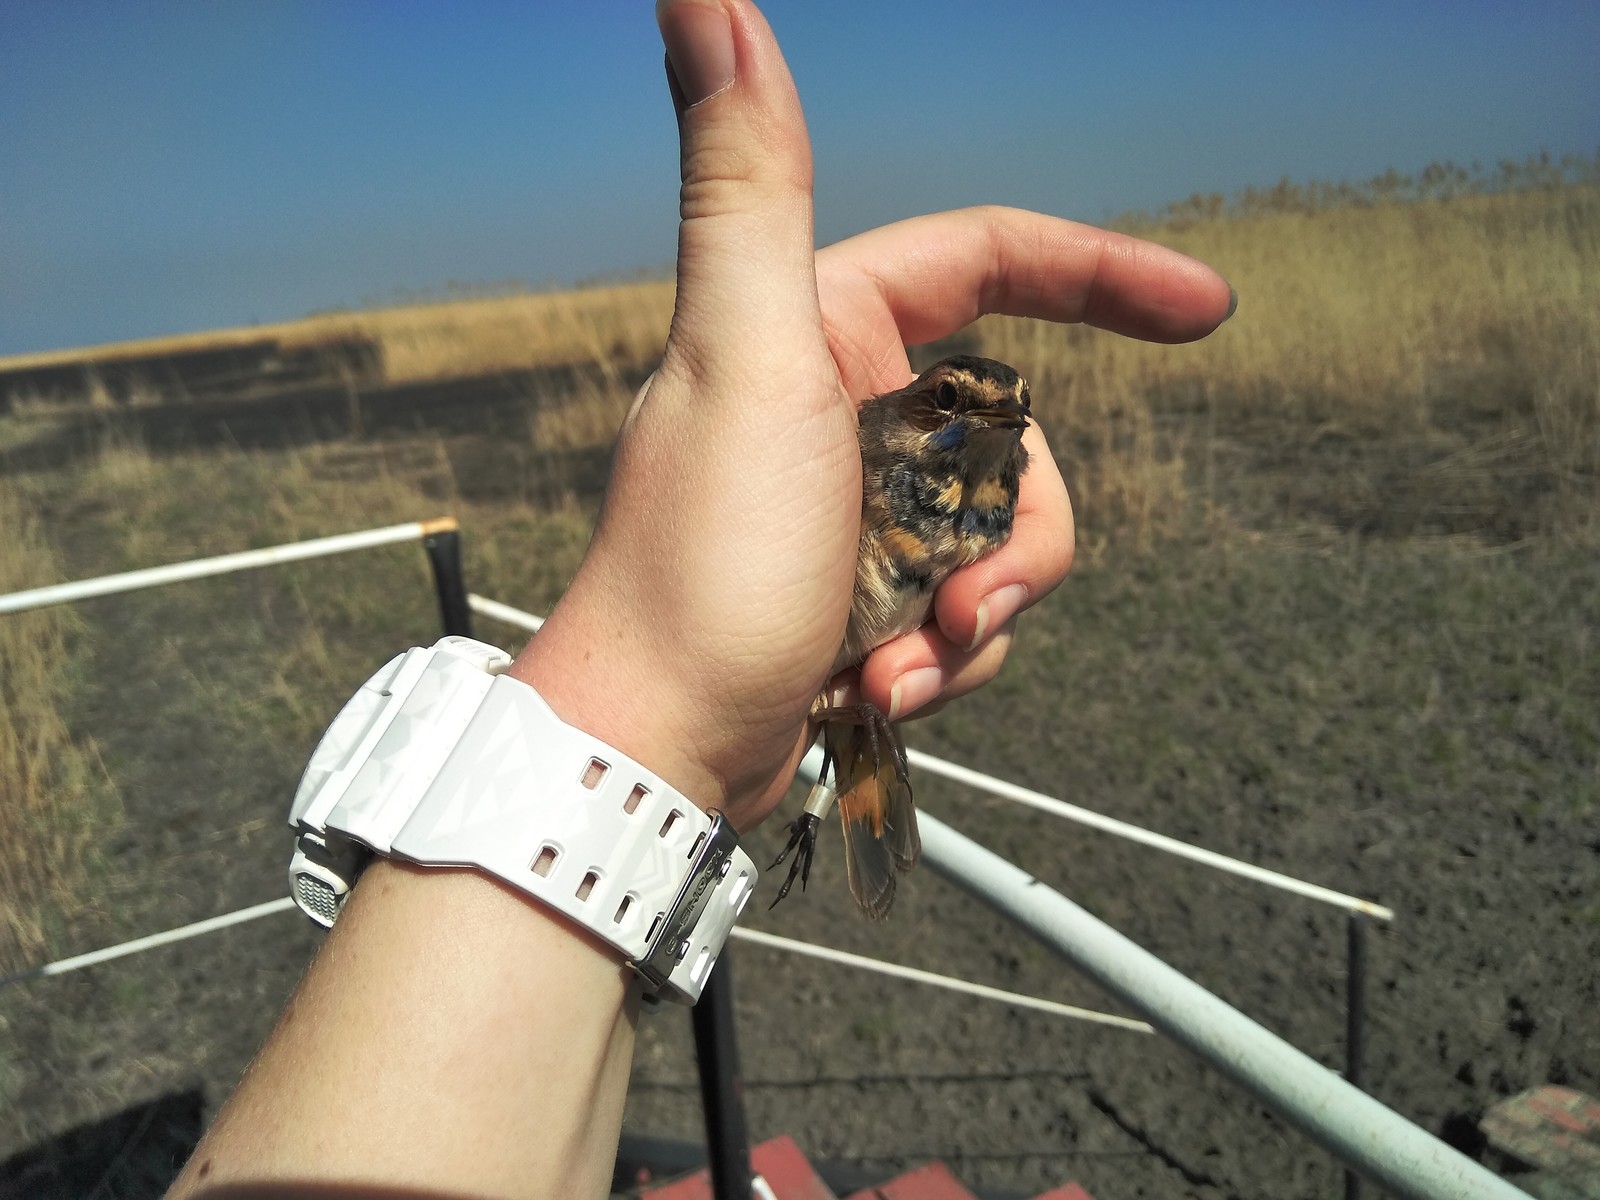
point(877, 731)
point(802, 844)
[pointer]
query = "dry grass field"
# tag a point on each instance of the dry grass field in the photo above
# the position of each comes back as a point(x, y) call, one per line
point(420, 343)
point(1335, 609)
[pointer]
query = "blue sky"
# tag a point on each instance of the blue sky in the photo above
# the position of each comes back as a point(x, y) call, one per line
point(176, 166)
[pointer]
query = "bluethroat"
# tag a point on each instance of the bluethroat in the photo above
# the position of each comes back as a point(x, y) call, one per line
point(941, 459)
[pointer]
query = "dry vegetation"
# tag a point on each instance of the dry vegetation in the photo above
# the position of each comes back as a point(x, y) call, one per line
point(1400, 430)
point(54, 798)
point(594, 327)
point(1452, 325)
point(603, 326)
point(1470, 325)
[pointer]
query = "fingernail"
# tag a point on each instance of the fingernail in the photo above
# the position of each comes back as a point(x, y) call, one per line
point(995, 609)
point(914, 689)
point(699, 41)
point(1233, 303)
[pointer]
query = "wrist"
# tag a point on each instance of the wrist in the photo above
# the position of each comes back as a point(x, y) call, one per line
point(444, 760)
point(441, 1005)
point(609, 684)
point(461, 899)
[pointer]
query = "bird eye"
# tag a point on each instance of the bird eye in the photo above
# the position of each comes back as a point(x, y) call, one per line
point(1027, 403)
point(945, 396)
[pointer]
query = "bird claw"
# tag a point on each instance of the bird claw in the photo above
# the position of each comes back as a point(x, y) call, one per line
point(803, 844)
point(879, 733)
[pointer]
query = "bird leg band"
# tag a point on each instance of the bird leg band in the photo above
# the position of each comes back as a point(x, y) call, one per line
point(803, 836)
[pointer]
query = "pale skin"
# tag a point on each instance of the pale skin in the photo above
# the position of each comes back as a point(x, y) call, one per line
point(452, 1038)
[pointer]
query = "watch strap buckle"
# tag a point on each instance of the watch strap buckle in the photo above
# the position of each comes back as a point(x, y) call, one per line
point(672, 938)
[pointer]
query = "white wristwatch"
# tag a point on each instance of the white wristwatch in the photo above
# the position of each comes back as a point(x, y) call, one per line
point(441, 759)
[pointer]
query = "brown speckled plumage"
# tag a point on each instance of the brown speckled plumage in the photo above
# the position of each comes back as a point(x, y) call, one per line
point(942, 461)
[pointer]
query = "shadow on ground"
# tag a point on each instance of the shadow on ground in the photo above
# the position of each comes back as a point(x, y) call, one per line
point(132, 1154)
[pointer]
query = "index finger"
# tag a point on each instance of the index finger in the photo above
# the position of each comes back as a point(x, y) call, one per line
point(936, 274)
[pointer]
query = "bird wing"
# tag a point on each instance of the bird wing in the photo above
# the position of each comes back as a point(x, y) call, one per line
point(880, 821)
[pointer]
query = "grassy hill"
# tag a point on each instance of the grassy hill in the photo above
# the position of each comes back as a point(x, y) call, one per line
point(1334, 613)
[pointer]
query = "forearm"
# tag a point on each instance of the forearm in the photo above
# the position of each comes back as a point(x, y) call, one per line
point(450, 1037)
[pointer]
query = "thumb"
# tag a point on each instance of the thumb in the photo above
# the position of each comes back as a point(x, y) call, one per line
point(746, 273)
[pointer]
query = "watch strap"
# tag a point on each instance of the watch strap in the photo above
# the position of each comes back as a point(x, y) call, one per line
point(586, 830)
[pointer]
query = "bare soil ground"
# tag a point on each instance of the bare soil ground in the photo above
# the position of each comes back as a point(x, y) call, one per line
point(1343, 683)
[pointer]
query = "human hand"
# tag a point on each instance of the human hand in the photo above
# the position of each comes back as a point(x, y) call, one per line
point(712, 601)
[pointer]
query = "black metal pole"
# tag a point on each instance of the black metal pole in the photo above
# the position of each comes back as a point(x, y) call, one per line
point(1355, 1020)
point(721, 1091)
point(444, 555)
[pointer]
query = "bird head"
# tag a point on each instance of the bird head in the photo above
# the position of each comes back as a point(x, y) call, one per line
point(965, 413)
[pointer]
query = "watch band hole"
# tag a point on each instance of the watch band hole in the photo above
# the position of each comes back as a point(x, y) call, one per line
point(702, 965)
point(631, 804)
point(546, 862)
point(622, 910)
point(654, 925)
point(587, 886)
point(593, 773)
point(672, 819)
point(698, 842)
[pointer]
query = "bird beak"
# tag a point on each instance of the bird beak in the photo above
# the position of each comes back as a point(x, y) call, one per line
point(1010, 415)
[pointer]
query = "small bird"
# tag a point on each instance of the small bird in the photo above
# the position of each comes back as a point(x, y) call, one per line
point(942, 459)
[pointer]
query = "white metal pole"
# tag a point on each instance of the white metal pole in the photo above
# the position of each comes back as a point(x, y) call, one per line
point(199, 568)
point(504, 613)
point(827, 954)
point(948, 982)
point(1145, 837)
point(165, 938)
point(1361, 1132)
